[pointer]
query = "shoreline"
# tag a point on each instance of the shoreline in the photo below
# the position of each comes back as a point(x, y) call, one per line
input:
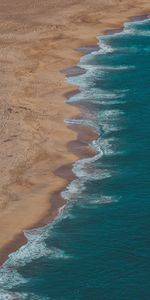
point(63, 171)
point(78, 147)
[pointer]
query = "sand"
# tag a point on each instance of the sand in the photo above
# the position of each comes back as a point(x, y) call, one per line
point(38, 40)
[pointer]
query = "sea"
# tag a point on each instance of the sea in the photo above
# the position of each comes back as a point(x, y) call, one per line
point(98, 247)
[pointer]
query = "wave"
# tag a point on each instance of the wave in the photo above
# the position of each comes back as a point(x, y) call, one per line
point(111, 113)
point(93, 202)
point(9, 277)
point(81, 169)
point(75, 189)
point(83, 122)
point(104, 48)
point(35, 248)
point(21, 296)
point(130, 28)
point(134, 28)
point(133, 31)
point(107, 146)
point(109, 68)
point(97, 94)
point(103, 199)
point(85, 171)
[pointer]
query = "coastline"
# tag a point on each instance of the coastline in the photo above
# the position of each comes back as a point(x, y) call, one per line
point(63, 172)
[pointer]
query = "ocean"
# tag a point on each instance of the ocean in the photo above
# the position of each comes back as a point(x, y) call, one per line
point(98, 248)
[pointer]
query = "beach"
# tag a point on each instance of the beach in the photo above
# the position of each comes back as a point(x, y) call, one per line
point(38, 41)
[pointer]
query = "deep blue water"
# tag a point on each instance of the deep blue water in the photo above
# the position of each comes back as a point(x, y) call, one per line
point(99, 246)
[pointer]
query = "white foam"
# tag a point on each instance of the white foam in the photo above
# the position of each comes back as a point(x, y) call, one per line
point(106, 145)
point(110, 115)
point(94, 200)
point(20, 296)
point(108, 120)
point(76, 187)
point(129, 28)
point(104, 68)
point(9, 277)
point(73, 190)
point(134, 31)
point(83, 122)
point(94, 94)
point(138, 22)
point(104, 48)
point(83, 168)
point(11, 296)
point(35, 248)
point(104, 200)
point(85, 171)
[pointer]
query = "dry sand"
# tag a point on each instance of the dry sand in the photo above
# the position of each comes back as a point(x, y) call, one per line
point(38, 38)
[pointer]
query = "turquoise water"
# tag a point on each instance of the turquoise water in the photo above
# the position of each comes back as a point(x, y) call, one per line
point(99, 246)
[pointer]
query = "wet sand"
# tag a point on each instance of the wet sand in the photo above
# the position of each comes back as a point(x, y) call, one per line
point(37, 42)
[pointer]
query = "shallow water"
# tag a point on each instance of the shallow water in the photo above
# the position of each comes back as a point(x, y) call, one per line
point(99, 246)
